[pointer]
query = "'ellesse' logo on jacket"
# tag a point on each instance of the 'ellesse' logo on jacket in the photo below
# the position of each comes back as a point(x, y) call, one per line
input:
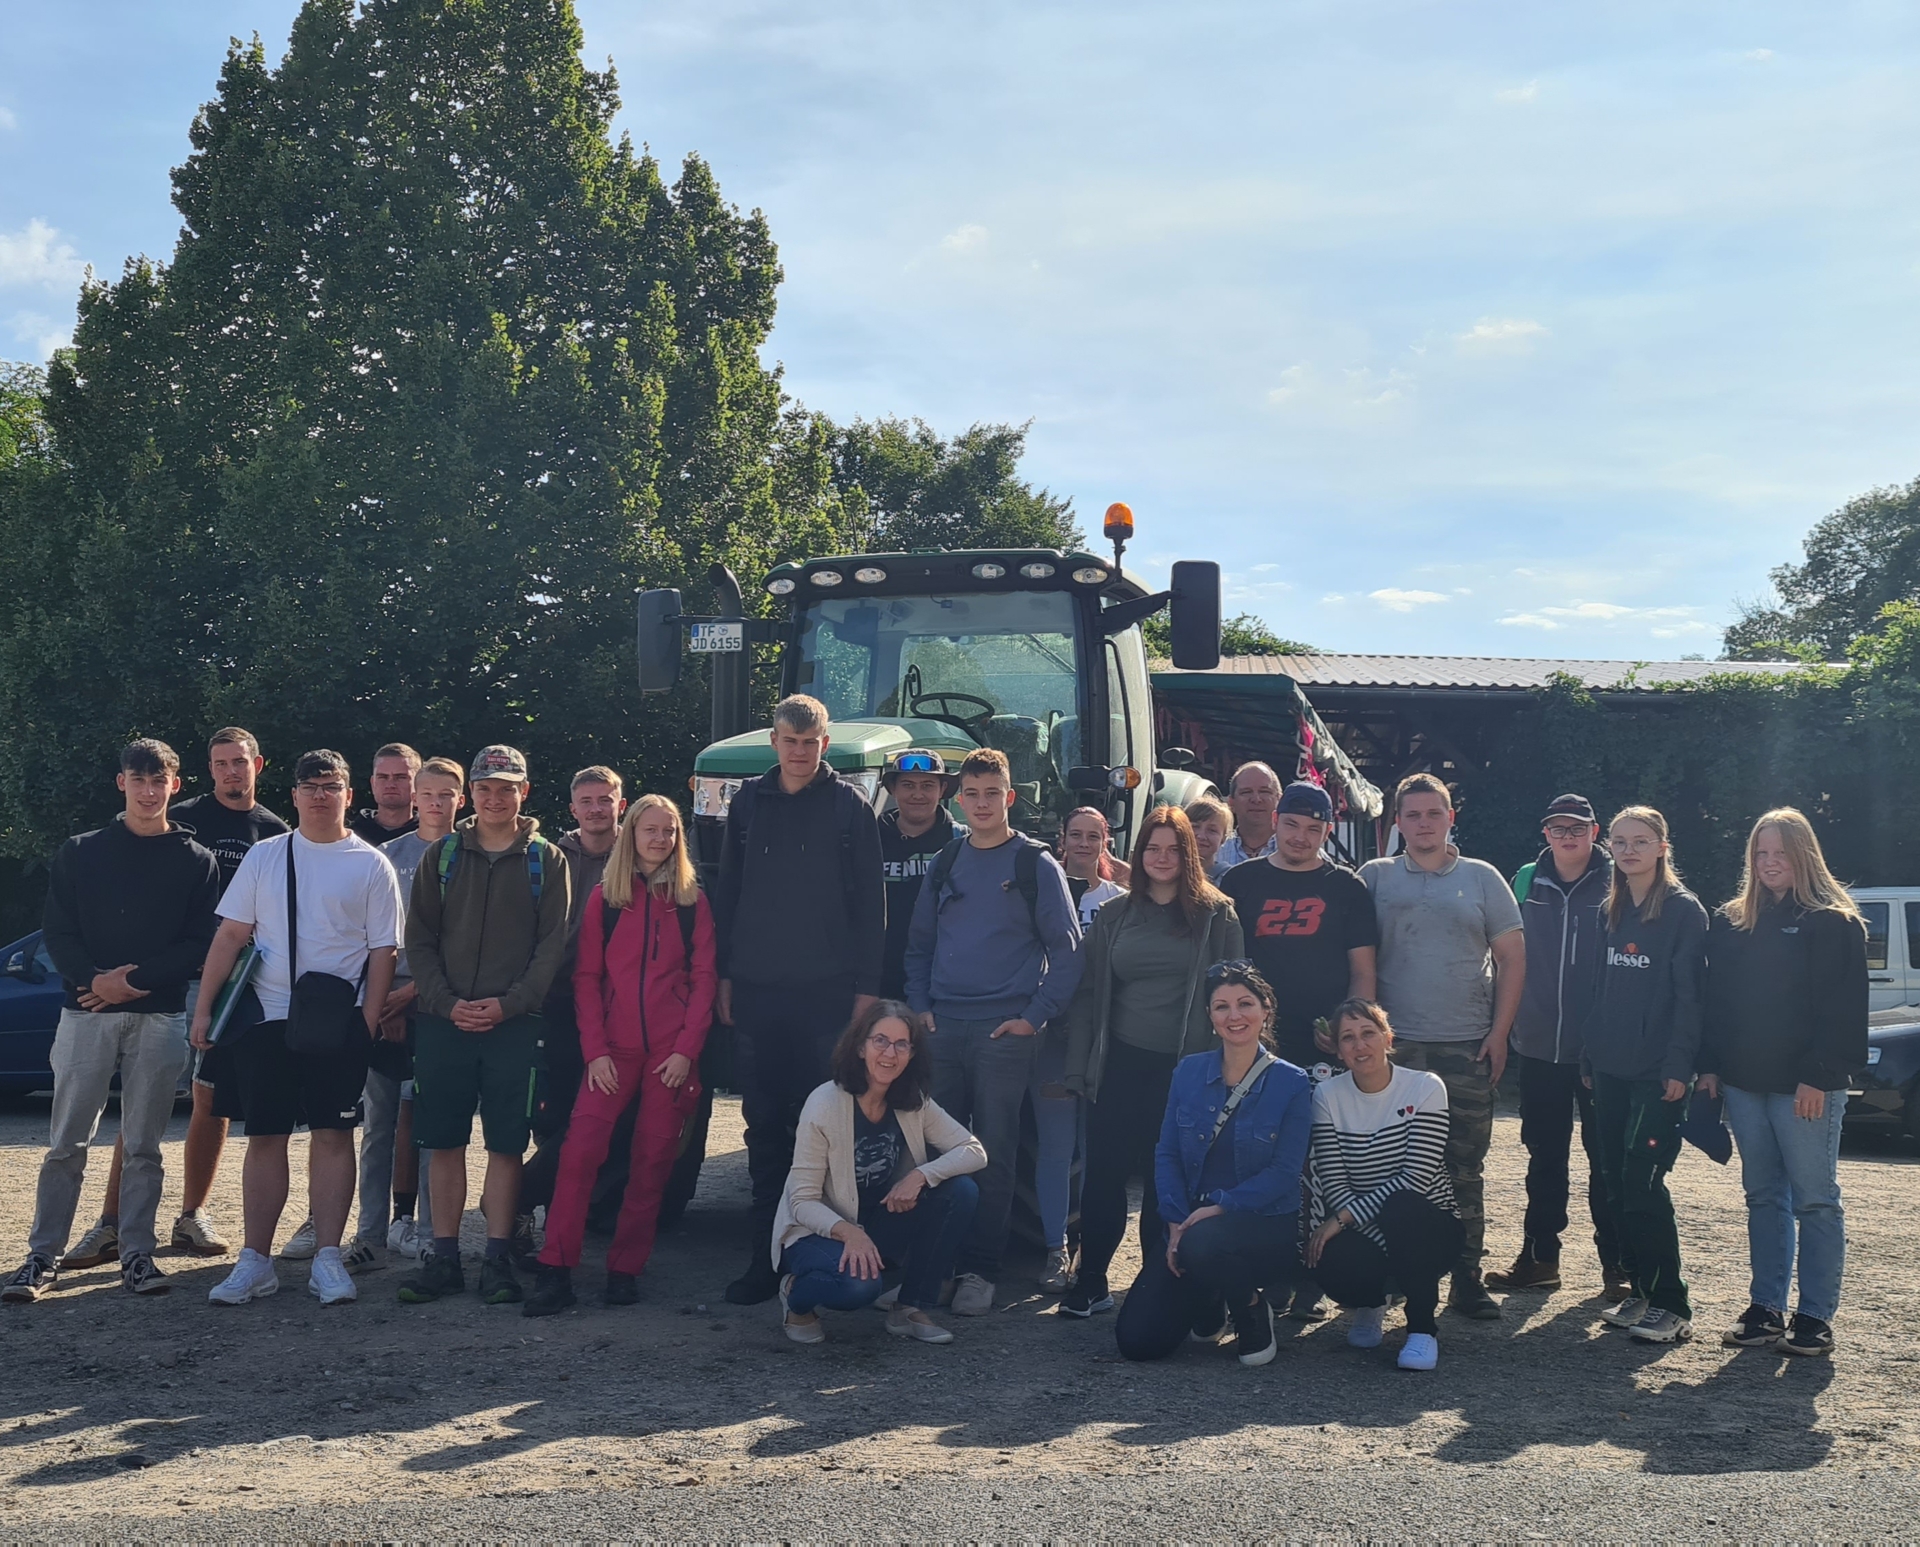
point(1632, 956)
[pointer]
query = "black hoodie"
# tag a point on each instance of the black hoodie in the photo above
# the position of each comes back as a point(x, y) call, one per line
point(1647, 1023)
point(800, 897)
point(1566, 940)
point(1786, 1000)
point(115, 897)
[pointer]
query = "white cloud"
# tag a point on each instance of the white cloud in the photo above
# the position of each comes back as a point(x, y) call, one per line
point(7, 120)
point(1396, 600)
point(967, 238)
point(1332, 599)
point(1660, 622)
point(1527, 93)
point(35, 256)
point(1512, 333)
point(1528, 620)
point(1358, 387)
point(1261, 569)
point(1758, 55)
point(45, 334)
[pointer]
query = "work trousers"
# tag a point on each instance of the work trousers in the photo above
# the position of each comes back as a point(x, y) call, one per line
point(981, 1080)
point(148, 1052)
point(565, 1070)
point(783, 1037)
point(1422, 1242)
point(1552, 1098)
point(1469, 1082)
point(1224, 1260)
point(661, 1115)
point(1123, 1129)
point(1639, 1140)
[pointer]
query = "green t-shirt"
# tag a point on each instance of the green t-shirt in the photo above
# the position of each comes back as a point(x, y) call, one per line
point(1151, 962)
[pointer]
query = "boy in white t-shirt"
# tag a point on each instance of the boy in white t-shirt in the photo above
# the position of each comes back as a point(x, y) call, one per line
point(347, 920)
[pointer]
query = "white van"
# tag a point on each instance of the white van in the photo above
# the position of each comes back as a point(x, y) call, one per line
point(1893, 944)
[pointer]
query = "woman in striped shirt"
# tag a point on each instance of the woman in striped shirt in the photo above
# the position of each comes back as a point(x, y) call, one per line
point(1380, 1206)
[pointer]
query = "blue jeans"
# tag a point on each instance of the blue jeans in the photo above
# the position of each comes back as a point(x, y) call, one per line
point(981, 1080)
point(1056, 1121)
point(1790, 1167)
point(923, 1243)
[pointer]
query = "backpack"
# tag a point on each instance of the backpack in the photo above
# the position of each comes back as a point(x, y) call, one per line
point(1026, 873)
point(610, 921)
point(1523, 882)
point(449, 855)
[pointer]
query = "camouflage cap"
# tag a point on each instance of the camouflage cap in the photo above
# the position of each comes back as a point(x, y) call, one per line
point(498, 762)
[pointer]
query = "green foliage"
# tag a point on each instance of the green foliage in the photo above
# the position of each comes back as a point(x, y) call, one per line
point(1858, 560)
point(1242, 634)
point(906, 489)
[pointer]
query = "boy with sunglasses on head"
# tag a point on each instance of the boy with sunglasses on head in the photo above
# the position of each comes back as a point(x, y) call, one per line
point(914, 829)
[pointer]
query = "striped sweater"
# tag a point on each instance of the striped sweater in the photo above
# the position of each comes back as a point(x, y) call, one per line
point(1365, 1148)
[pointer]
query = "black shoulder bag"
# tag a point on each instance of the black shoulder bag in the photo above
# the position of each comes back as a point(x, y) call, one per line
point(322, 1018)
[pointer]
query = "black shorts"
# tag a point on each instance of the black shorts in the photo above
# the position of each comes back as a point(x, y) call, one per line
point(280, 1091)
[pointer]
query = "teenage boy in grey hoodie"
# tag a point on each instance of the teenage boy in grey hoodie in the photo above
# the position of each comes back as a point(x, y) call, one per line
point(1563, 905)
point(993, 955)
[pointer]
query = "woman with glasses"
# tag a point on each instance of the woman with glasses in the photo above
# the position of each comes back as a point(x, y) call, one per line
point(1227, 1172)
point(1140, 1007)
point(863, 1196)
point(1640, 1049)
point(1786, 1030)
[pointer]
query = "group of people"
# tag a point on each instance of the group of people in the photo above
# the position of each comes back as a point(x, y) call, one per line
point(1297, 1061)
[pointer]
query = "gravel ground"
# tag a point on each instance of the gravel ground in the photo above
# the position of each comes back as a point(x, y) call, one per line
point(685, 1417)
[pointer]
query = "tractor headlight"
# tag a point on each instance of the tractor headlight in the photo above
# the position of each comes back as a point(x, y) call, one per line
point(711, 797)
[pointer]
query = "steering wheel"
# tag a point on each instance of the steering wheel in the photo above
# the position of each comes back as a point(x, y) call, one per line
point(975, 724)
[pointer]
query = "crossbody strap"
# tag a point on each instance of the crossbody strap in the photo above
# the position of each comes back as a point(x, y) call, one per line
point(1239, 1094)
point(293, 914)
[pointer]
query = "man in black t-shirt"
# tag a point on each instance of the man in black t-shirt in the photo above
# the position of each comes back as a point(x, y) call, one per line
point(912, 832)
point(229, 822)
point(391, 815)
point(1309, 923)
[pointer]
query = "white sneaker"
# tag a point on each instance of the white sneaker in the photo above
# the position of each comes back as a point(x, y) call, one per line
point(1662, 1327)
point(972, 1295)
point(1366, 1331)
point(303, 1245)
point(905, 1322)
point(1627, 1313)
point(1421, 1351)
point(330, 1283)
point(403, 1237)
point(890, 1299)
point(252, 1278)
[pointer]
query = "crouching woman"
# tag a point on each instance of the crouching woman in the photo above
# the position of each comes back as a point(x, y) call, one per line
point(879, 1180)
point(1232, 1147)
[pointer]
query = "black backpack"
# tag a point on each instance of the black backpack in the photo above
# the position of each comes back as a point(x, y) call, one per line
point(1026, 873)
point(610, 921)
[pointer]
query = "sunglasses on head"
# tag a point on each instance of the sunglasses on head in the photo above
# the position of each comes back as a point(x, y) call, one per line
point(1230, 969)
point(915, 762)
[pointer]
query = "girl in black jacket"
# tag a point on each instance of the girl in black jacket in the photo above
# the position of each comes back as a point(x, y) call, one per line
point(1640, 1047)
point(1786, 1029)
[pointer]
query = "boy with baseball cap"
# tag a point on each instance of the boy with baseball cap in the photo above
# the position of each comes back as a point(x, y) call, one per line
point(914, 829)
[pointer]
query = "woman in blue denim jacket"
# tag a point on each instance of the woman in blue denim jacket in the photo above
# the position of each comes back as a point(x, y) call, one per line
point(1228, 1176)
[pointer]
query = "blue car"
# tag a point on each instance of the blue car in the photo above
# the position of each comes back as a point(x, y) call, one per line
point(30, 995)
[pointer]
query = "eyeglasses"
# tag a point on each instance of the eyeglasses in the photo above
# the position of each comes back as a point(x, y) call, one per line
point(1633, 845)
point(320, 791)
point(915, 762)
point(882, 1044)
point(1564, 830)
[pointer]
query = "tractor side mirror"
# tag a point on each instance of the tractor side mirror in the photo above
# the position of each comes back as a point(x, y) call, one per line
point(1195, 615)
point(659, 638)
point(1177, 757)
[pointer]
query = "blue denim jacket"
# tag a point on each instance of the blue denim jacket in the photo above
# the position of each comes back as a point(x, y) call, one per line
point(1269, 1136)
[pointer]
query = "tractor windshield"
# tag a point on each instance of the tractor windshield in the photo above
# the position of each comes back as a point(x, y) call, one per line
point(997, 668)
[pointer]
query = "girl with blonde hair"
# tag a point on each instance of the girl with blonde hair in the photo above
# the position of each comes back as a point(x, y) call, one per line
point(1786, 1028)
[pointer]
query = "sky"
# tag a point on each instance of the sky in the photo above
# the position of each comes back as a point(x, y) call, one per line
point(1447, 327)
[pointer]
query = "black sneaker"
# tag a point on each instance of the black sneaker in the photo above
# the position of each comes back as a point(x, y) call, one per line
point(29, 1281)
point(1088, 1297)
point(1253, 1339)
point(139, 1276)
point(552, 1292)
point(1307, 1305)
point(756, 1286)
point(438, 1276)
point(622, 1289)
point(1757, 1327)
point(1468, 1297)
point(521, 1246)
point(498, 1283)
point(1809, 1336)
point(1207, 1325)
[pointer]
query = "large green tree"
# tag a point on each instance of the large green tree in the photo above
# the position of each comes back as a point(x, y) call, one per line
point(1858, 560)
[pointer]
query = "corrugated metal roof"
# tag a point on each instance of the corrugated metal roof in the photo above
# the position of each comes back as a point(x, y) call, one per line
point(1479, 671)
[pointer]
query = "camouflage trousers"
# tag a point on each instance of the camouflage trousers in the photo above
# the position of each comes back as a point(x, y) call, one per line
point(1469, 1082)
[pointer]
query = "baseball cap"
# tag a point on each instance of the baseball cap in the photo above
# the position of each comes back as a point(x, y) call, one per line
point(1304, 799)
point(1576, 806)
point(918, 760)
point(498, 762)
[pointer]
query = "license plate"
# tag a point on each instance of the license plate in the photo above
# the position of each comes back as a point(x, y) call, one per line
point(717, 638)
point(1873, 1056)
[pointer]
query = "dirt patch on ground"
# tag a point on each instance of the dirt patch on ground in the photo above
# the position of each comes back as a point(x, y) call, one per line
point(124, 1407)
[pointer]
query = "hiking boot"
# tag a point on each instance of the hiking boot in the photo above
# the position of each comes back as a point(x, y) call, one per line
point(96, 1248)
point(622, 1289)
point(1757, 1327)
point(1468, 1297)
point(1253, 1339)
point(438, 1276)
point(194, 1235)
point(1527, 1272)
point(552, 1292)
point(1615, 1284)
point(1628, 1312)
point(1662, 1327)
point(521, 1246)
point(758, 1284)
point(1088, 1297)
point(30, 1280)
point(498, 1283)
point(139, 1276)
point(1809, 1336)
